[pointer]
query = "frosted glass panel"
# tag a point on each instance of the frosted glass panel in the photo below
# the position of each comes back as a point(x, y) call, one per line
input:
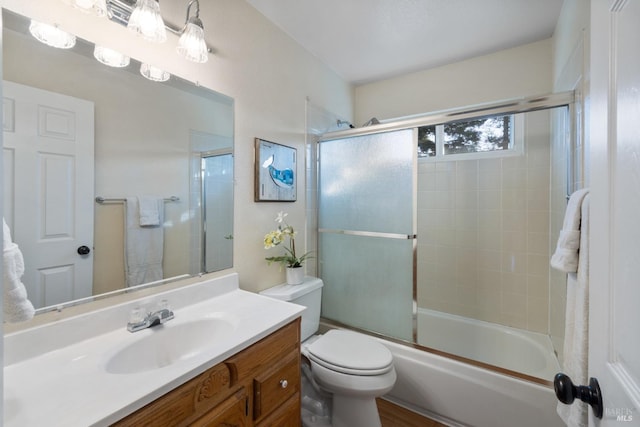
point(368, 283)
point(366, 183)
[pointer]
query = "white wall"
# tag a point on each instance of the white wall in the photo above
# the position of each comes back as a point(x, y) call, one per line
point(267, 74)
point(511, 73)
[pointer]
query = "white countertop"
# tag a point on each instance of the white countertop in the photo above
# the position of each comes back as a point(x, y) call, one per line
point(69, 385)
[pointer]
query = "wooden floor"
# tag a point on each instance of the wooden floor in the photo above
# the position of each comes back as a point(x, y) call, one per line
point(396, 416)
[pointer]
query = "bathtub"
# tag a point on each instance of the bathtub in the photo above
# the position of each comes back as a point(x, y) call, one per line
point(460, 394)
point(514, 349)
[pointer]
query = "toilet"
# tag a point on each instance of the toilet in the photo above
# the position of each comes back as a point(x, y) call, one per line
point(351, 367)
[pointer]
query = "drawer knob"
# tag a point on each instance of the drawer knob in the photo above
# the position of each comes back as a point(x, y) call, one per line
point(284, 383)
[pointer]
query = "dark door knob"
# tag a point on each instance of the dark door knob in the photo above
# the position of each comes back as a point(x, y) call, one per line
point(566, 392)
point(84, 250)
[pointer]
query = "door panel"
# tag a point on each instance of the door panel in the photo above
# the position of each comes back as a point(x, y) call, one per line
point(614, 348)
point(49, 190)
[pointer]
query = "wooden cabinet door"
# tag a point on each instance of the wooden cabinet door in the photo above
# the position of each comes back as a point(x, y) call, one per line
point(287, 415)
point(230, 413)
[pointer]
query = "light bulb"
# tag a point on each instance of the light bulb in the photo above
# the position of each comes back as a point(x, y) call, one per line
point(99, 7)
point(154, 73)
point(51, 35)
point(111, 57)
point(191, 44)
point(146, 21)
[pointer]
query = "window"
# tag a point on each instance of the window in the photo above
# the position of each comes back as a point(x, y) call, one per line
point(427, 141)
point(478, 135)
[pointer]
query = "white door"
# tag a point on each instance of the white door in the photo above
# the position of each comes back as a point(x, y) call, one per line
point(614, 138)
point(49, 186)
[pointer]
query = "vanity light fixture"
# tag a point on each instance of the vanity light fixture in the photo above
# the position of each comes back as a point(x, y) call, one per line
point(52, 35)
point(99, 7)
point(191, 44)
point(154, 73)
point(110, 57)
point(146, 21)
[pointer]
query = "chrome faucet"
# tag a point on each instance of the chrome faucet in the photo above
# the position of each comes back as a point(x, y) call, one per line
point(142, 319)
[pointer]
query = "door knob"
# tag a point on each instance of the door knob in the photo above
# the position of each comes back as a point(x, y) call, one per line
point(566, 392)
point(84, 250)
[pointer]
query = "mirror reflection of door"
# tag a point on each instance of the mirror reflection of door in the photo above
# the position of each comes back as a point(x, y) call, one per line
point(217, 211)
point(49, 186)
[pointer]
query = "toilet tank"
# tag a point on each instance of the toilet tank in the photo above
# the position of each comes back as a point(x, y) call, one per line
point(307, 294)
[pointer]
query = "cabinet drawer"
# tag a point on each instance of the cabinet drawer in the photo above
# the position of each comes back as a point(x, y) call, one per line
point(287, 415)
point(275, 386)
point(265, 353)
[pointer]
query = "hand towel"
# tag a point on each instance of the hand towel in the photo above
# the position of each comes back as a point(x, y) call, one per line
point(576, 333)
point(16, 305)
point(149, 210)
point(144, 246)
point(565, 257)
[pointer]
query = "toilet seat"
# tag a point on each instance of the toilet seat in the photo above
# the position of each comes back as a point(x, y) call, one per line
point(350, 353)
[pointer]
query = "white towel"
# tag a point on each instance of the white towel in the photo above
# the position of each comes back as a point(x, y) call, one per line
point(576, 331)
point(565, 257)
point(144, 246)
point(17, 307)
point(150, 208)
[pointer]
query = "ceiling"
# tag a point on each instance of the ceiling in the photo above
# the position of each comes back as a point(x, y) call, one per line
point(369, 40)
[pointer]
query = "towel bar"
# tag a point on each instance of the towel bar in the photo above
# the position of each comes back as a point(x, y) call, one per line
point(102, 200)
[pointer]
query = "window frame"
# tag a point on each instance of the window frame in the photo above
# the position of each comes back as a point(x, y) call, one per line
point(517, 144)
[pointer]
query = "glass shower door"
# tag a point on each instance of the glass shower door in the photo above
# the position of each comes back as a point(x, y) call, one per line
point(366, 221)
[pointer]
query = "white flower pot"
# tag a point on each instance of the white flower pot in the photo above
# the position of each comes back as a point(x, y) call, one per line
point(295, 275)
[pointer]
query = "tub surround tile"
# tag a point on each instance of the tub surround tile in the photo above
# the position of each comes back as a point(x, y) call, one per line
point(495, 215)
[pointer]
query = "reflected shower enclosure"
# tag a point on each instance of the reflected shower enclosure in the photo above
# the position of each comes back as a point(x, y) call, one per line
point(211, 201)
point(217, 211)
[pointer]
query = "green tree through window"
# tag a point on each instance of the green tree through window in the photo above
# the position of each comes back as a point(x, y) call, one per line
point(484, 134)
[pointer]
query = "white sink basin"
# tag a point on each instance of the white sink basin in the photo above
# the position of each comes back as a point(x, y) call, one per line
point(166, 344)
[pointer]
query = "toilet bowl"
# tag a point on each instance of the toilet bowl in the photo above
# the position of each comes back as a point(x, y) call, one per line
point(355, 369)
point(351, 367)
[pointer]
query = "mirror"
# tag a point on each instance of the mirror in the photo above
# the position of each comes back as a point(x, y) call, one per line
point(171, 140)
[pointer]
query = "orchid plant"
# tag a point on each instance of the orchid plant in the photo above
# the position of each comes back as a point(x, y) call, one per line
point(278, 236)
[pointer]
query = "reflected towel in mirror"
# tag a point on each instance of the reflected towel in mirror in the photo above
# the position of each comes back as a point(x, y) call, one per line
point(144, 245)
point(150, 207)
point(16, 305)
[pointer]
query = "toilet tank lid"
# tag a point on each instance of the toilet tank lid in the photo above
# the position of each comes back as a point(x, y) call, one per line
point(286, 292)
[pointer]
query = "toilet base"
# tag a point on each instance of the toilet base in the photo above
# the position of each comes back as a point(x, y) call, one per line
point(309, 419)
point(350, 411)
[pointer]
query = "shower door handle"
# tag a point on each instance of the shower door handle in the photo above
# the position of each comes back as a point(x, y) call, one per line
point(566, 392)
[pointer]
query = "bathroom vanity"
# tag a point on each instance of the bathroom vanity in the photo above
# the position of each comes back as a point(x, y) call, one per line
point(227, 358)
point(260, 386)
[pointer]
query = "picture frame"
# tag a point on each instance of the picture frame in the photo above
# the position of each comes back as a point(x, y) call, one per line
point(276, 175)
